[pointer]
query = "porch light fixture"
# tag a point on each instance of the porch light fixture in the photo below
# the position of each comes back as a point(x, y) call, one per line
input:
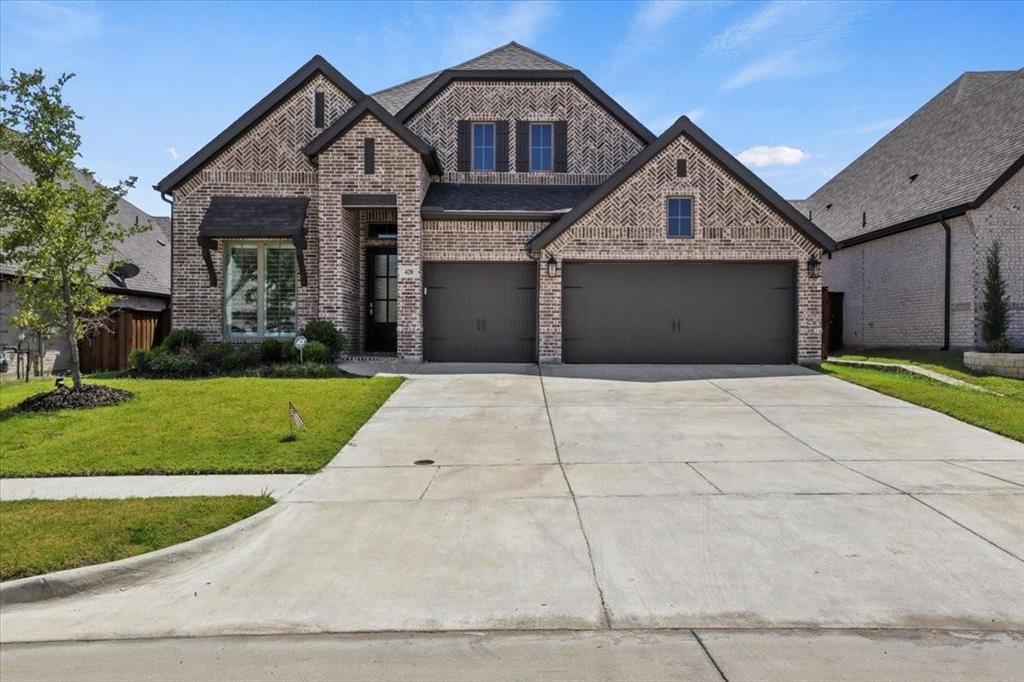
point(813, 267)
point(552, 267)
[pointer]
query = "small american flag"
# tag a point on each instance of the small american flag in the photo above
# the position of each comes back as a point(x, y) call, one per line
point(296, 417)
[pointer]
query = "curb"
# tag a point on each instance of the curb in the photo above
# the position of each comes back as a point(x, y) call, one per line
point(123, 572)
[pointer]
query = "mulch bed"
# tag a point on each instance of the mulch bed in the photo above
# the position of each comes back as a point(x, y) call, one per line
point(66, 398)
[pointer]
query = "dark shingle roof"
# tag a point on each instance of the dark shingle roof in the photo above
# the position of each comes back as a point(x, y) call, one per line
point(149, 250)
point(957, 145)
point(259, 217)
point(503, 198)
point(511, 56)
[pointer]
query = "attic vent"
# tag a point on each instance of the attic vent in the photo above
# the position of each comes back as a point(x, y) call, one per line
point(913, 177)
point(681, 168)
point(318, 110)
point(828, 207)
point(864, 219)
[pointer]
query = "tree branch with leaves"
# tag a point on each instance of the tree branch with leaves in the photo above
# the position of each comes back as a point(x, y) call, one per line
point(57, 230)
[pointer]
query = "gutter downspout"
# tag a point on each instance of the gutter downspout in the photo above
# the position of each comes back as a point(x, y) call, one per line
point(945, 308)
point(170, 308)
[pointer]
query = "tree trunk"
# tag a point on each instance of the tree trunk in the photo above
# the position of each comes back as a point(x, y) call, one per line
point(69, 334)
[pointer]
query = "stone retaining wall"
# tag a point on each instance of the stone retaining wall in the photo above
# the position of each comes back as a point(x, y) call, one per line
point(1003, 364)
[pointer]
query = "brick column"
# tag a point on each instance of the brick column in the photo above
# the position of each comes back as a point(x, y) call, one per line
point(549, 312)
point(410, 283)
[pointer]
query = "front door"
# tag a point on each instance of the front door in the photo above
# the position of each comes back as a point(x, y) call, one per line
point(382, 300)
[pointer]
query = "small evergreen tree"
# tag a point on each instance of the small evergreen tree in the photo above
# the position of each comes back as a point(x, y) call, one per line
point(56, 230)
point(994, 309)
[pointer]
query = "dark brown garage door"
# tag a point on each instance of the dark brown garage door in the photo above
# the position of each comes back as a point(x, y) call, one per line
point(678, 313)
point(480, 312)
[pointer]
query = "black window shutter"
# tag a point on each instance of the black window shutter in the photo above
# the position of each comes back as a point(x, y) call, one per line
point(522, 146)
point(501, 146)
point(465, 145)
point(368, 156)
point(561, 144)
point(681, 168)
point(318, 110)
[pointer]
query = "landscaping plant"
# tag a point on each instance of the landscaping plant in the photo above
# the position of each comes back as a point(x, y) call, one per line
point(994, 308)
point(58, 231)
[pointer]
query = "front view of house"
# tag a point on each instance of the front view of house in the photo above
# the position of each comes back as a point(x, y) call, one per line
point(503, 210)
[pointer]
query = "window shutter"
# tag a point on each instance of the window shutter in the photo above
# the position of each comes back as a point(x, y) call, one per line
point(318, 110)
point(501, 146)
point(368, 156)
point(522, 146)
point(465, 145)
point(561, 145)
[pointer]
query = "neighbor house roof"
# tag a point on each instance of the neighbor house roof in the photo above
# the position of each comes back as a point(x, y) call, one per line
point(149, 250)
point(947, 157)
point(684, 126)
point(316, 65)
point(496, 201)
point(511, 56)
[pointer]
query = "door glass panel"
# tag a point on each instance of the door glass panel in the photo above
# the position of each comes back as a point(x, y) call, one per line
point(279, 295)
point(380, 264)
point(392, 287)
point(241, 295)
point(392, 265)
point(380, 312)
point(392, 311)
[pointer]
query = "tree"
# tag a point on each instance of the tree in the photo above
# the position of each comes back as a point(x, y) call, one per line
point(57, 230)
point(994, 309)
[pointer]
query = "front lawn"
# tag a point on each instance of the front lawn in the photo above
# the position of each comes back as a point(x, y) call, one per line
point(950, 363)
point(1000, 414)
point(41, 536)
point(198, 426)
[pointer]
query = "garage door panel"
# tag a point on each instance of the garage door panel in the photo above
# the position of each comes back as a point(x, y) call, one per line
point(480, 312)
point(678, 313)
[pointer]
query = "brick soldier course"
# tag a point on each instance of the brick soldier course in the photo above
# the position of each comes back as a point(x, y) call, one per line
point(363, 160)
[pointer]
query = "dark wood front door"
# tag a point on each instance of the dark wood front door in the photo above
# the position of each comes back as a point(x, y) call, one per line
point(382, 300)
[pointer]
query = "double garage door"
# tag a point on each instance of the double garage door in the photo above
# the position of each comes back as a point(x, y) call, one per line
point(614, 312)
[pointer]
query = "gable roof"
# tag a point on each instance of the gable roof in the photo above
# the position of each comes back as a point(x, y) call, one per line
point(369, 106)
point(511, 56)
point(959, 148)
point(684, 126)
point(316, 65)
point(149, 250)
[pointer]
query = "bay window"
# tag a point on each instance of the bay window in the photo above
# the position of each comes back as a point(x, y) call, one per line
point(260, 289)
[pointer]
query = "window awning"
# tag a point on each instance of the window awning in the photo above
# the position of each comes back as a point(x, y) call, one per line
point(254, 218)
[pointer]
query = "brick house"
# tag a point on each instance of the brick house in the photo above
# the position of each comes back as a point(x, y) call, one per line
point(915, 215)
point(505, 209)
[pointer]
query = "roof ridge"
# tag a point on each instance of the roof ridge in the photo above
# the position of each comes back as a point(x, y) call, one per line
point(404, 83)
point(507, 45)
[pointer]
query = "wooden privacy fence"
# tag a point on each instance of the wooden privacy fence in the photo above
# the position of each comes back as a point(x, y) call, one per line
point(108, 349)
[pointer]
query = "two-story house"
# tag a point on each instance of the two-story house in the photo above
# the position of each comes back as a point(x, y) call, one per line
point(505, 209)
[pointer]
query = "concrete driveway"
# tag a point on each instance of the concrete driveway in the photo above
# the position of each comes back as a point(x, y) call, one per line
point(578, 498)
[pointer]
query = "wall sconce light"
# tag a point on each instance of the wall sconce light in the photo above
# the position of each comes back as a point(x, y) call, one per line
point(552, 267)
point(814, 267)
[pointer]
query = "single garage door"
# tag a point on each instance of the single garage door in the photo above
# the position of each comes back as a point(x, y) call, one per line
point(678, 313)
point(480, 312)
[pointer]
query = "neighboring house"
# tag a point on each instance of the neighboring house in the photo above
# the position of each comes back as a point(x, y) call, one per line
point(915, 215)
point(506, 209)
point(137, 317)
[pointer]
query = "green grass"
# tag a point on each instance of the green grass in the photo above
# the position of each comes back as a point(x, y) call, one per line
point(40, 536)
point(200, 426)
point(949, 363)
point(1000, 414)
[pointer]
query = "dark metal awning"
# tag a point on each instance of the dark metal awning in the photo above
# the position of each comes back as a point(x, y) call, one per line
point(254, 218)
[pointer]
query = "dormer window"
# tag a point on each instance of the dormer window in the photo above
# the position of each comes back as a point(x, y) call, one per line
point(483, 146)
point(541, 146)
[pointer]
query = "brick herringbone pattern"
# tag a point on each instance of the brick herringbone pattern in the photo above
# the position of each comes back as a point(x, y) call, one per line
point(598, 144)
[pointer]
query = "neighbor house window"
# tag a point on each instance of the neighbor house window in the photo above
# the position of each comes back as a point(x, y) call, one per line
point(483, 146)
point(541, 146)
point(260, 295)
point(680, 217)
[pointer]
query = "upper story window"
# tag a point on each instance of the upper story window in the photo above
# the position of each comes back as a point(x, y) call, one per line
point(541, 146)
point(260, 289)
point(680, 217)
point(483, 146)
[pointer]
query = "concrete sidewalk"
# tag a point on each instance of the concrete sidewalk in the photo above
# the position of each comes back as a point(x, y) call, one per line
point(94, 487)
point(564, 656)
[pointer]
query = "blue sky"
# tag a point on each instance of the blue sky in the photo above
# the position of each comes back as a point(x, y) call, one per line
point(798, 90)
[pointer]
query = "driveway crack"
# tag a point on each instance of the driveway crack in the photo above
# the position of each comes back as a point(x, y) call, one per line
point(605, 617)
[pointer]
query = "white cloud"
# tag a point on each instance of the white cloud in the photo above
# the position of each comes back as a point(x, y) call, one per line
point(172, 152)
point(55, 23)
point(764, 155)
point(791, 39)
point(648, 29)
point(478, 28)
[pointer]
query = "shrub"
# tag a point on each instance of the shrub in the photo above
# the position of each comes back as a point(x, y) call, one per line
point(139, 360)
point(994, 308)
point(165, 364)
point(181, 340)
point(273, 351)
point(326, 333)
point(316, 352)
point(305, 370)
point(1002, 345)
